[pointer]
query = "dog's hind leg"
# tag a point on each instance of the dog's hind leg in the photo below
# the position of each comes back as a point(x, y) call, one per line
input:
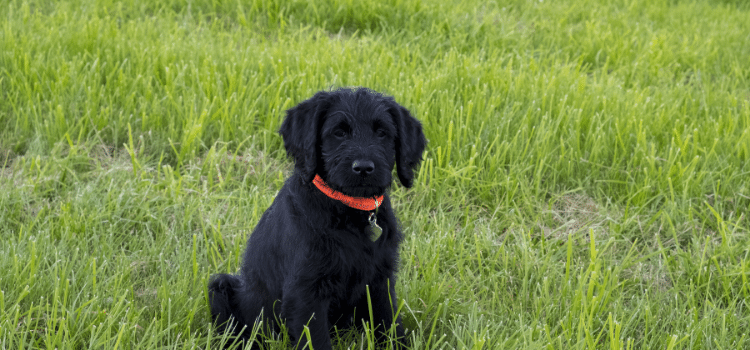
point(237, 310)
point(221, 298)
point(223, 290)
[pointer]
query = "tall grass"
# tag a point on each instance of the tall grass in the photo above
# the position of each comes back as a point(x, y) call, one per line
point(585, 183)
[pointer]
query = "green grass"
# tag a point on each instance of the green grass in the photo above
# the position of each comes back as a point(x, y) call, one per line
point(585, 185)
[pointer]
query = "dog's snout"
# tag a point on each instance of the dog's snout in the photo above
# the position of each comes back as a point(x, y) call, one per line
point(363, 167)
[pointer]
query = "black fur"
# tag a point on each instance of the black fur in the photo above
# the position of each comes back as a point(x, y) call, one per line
point(310, 260)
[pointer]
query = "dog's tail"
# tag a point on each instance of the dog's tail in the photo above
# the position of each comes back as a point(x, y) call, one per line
point(222, 290)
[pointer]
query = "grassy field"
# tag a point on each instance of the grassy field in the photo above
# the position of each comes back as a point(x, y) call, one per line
point(585, 184)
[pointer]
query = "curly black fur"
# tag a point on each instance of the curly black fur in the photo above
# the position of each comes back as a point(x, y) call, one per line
point(310, 260)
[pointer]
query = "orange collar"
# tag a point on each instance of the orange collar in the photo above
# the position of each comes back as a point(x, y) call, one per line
point(361, 203)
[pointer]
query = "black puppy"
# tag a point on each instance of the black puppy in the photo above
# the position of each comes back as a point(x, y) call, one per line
point(330, 235)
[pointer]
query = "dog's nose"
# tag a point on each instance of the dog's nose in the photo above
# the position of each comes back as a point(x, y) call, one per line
point(363, 167)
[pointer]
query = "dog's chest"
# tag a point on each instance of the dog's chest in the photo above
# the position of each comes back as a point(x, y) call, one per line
point(351, 264)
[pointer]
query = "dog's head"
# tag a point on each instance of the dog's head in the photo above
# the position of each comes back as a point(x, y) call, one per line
point(352, 138)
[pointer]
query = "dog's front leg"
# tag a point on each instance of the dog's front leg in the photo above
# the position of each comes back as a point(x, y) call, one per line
point(313, 315)
point(384, 308)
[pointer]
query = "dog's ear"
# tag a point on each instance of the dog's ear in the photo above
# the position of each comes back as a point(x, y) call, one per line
point(300, 132)
point(410, 143)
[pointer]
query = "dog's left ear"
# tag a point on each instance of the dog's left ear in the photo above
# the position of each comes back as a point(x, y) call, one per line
point(410, 142)
point(300, 132)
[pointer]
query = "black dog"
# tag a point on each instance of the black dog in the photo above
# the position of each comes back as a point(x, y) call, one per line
point(330, 237)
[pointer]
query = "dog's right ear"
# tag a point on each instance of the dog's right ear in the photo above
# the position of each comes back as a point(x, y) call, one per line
point(300, 132)
point(410, 143)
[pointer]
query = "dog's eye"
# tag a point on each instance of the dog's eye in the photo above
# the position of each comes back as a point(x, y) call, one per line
point(339, 133)
point(380, 133)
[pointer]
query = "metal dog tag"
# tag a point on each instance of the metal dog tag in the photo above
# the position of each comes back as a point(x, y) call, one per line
point(375, 230)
